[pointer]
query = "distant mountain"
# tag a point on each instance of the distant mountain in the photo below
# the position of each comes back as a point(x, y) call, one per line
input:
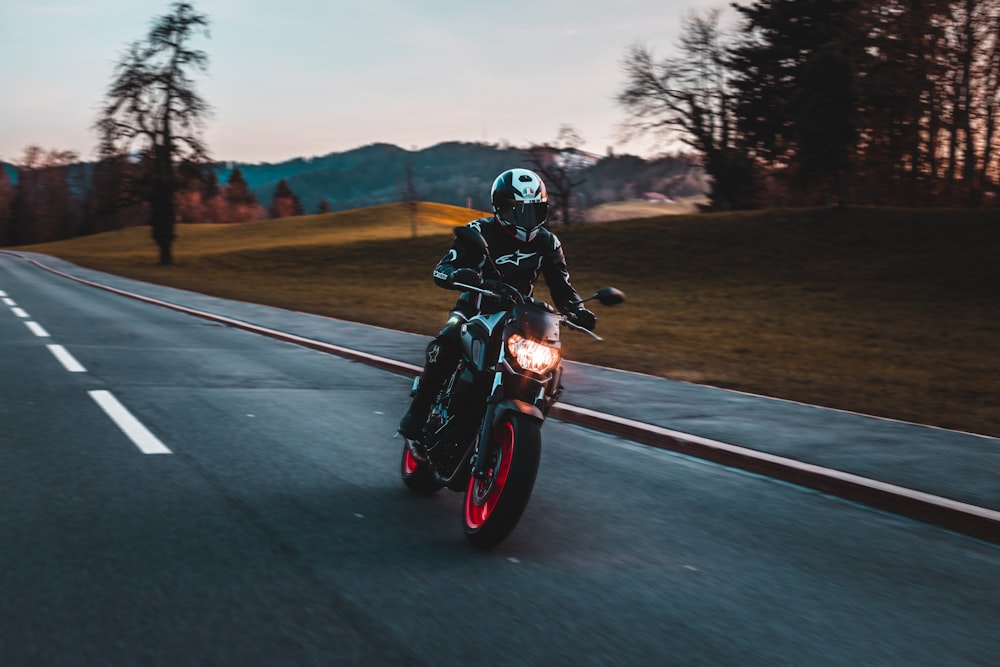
point(455, 173)
point(450, 173)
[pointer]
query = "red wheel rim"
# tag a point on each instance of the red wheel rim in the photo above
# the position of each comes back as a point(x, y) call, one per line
point(484, 494)
point(410, 464)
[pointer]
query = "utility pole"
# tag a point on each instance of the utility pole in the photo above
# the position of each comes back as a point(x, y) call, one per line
point(411, 199)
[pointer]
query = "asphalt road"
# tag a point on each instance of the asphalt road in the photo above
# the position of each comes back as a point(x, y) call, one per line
point(268, 525)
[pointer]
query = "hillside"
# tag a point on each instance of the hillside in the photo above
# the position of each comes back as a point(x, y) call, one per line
point(455, 173)
point(882, 311)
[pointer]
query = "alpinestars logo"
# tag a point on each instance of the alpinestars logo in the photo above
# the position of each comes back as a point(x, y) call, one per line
point(515, 258)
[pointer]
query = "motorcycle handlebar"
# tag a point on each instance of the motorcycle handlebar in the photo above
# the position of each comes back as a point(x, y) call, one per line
point(505, 292)
point(562, 318)
point(474, 288)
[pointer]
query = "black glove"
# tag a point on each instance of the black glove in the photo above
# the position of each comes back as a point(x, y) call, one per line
point(466, 277)
point(583, 318)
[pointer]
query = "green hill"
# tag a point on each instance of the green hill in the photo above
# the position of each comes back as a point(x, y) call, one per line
point(455, 173)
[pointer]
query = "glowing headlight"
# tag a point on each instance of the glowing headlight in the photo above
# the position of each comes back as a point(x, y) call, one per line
point(531, 355)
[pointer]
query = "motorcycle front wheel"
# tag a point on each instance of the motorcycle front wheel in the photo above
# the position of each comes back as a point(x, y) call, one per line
point(417, 475)
point(494, 504)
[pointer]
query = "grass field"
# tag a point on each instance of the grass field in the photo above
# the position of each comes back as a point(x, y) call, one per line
point(882, 311)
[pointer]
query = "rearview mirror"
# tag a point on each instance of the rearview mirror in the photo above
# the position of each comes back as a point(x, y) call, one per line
point(610, 296)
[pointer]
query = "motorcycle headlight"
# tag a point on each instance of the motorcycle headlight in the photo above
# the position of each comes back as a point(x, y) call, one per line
point(531, 355)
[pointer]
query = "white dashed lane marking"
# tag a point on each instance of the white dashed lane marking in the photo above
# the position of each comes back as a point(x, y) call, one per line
point(130, 426)
point(140, 436)
point(37, 329)
point(68, 361)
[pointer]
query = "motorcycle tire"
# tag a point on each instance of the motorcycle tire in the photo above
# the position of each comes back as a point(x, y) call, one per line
point(493, 505)
point(417, 475)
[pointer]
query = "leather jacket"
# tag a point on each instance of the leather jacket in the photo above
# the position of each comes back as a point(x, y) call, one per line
point(518, 261)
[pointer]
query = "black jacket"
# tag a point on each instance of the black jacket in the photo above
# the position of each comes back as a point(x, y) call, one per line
point(519, 263)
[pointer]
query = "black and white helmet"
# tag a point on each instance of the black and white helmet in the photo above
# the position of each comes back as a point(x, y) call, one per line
point(520, 202)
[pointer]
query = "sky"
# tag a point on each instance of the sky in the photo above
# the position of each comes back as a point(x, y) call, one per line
point(303, 78)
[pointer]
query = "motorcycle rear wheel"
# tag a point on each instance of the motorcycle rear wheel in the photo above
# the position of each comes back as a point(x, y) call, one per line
point(493, 505)
point(417, 475)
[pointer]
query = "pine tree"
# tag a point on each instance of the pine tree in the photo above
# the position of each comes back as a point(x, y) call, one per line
point(284, 202)
point(240, 199)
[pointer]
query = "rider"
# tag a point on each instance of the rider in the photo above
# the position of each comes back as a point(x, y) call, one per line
point(521, 249)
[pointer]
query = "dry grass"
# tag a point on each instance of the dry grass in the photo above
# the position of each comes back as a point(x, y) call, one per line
point(881, 311)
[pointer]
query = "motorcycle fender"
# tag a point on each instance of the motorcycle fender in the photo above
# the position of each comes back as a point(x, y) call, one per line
point(514, 405)
point(495, 414)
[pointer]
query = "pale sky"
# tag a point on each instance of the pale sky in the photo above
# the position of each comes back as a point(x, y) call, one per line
point(301, 78)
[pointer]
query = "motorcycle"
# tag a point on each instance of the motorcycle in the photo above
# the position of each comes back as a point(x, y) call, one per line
point(483, 433)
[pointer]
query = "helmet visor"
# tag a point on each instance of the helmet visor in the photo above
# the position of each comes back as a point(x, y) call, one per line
point(527, 215)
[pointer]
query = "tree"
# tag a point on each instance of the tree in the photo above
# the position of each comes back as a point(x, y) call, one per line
point(6, 198)
point(824, 110)
point(691, 98)
point(974, 33)
point(796, 104)
point(152, 111)
point(45, 205)
point(241, 200)
point(901, 69)
point(284, 202)
point(111, 203)
point(555, 164)
point(901, 96)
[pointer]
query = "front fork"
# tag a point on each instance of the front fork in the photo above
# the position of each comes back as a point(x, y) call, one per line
point(497, 407)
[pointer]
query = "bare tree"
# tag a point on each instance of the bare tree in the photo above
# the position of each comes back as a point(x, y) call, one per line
point(690, 98)
point(152, 112)
point(556, 165)
point(932, 76)
point(976, 24)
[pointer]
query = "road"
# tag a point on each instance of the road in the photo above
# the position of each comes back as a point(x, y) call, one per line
point(251, 512)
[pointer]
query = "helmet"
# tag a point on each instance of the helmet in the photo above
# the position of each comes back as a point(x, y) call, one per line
point(520, 202)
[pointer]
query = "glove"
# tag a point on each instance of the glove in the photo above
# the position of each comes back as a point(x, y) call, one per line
point(583, 318)
point(466, 277)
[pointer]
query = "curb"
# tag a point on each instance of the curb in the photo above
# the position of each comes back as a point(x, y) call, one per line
point(971, 520)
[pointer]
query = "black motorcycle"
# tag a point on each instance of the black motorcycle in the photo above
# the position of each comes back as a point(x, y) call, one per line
point(483, 433)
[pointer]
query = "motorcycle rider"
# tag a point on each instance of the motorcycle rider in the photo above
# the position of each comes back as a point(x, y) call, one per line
point(522, 248)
